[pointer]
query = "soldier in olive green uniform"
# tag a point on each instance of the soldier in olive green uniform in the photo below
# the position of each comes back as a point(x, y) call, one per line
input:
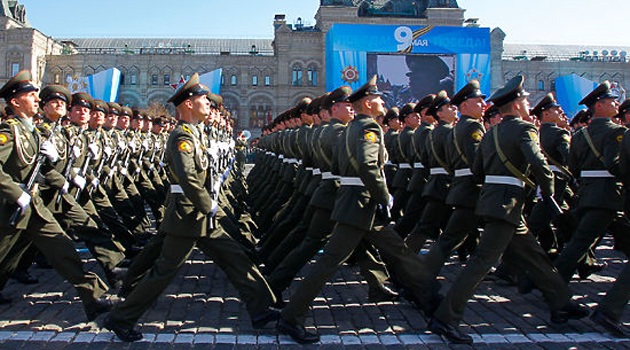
point(410, 119)
point(391, 166)
point(513, 142)
point(361, 156)
point(436, 212)
point(594, 157)
point(415, 204)
point(320, 224)
point(186, 223)
point(554, 142)
point(20, 144)
point(464, 192)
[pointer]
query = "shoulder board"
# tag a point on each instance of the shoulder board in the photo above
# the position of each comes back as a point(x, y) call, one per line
point(12, 121)
point(187, 129)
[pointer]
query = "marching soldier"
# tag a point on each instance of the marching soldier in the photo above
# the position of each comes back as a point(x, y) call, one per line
point(436, 212)
point(410, 119)
point(464, 193)
point(187, 223)
point(20, 143)
point(361, 156)
point(394, 126)
point(415, 204)
point(504, 156)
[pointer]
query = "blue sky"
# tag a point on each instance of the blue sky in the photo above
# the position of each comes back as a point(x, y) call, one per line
point(532, 21)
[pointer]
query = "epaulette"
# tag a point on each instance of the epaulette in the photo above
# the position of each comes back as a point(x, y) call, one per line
point(12, 121)
point(187, 129)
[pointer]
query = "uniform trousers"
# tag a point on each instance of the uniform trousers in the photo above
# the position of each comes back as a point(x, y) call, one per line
point(345, 238)
point(318, 232)
point(514, 243)
point(174, 250)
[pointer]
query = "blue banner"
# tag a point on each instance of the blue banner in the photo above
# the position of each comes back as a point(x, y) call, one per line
point(570, 90)
point(101, 86)
point(212, 80)
point(430, 58)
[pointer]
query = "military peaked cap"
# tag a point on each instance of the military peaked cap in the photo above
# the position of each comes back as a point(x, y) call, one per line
point(52, 92)
point(392, 113)
point(340, 94)
point(367, 89)
point(601, 92)
point(425, 102)
point(191, 88)
point(18, 84)
point(512, 90)
point(82, 99)
point(406, 110)
point(114, 108)
point(470, 90)
point(548, 101)
point(440, 100)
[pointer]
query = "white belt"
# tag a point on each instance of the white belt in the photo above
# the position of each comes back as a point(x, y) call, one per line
point(328, 175)
point(389, 162)
point(308, 168)
point(316, 171)
point(280, 156)
point(405, 166)
point(299, 162)
point(438, 171)
point(596, 173)
point(418, 166)
point(176, 189)
point(291, 160)
point(504, 180)
point(555, 169)
point(351, 181)
point(463, 172)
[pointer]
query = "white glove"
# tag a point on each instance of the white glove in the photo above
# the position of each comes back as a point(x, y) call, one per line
point(76, 150)
point(24, 200)
point(138, 170)
point(108, 151)
point(390, 203)
point(50, 151)
point(79, 181)
point(123, 171)
point(65, 187)
point(145, 145)
point(133, 146)
point(151, 167)
point(95, 182)
point(161, 164)
point(122, 145)
point(112, 171)
point(93, 148)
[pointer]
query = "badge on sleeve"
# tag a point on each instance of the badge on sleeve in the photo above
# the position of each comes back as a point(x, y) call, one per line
point(620, 138)
point(566, 138)
point(371, 136)
point(3, 138)
point(184, 146)
point(533, 135)
point(477, 135)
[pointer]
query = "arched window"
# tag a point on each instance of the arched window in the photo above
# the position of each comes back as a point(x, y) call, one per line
point(541, 85)
point(254, 80)
point(311, 75)
point(233, 80)
point(297, 75)
point(267, 80)
point(57, 79)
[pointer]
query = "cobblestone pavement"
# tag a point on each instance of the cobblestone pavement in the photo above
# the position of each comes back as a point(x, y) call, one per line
point(201, 309)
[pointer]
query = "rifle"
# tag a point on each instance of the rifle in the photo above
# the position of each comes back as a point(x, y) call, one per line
point(68, 169)
point(99, 170)
point(30, 184)
point(86, 164)
point(139, 162)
